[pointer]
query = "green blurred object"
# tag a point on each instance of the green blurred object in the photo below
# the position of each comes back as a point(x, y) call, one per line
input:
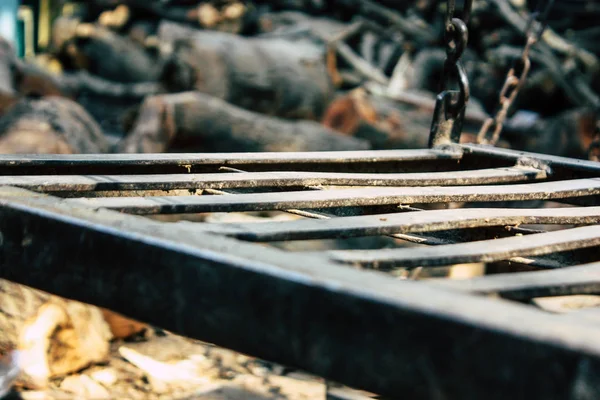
point(20, 42)
point(25, 42)
point(30, 22)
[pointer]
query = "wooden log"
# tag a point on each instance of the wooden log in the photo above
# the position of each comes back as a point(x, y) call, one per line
point(115, 19)
point(568, 134)
point(108, 102)
point(50, 125)
point(379, 121)
point(229, 16)
point(64, 29)
point(299, 22)
point(108, 55)
point(385, 123)
point(53, 336)
point(6, 102)
point(269, 76)
point(201, 122)
point(143, 32)
point(32, 80)
point(7, 59)
point(7, 90)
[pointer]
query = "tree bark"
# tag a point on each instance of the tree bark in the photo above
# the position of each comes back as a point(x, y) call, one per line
point(391, 124)
point(229, 17)
point(8, 94)
point(386, 125)
point(269, 76)
point(54, 336)
point(108, 55)
point(199, 122)
point(7, 60)
point(51, 125)
point(568, 134)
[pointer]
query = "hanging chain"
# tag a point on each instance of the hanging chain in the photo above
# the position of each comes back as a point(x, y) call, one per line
point(513, 83)
point(450, 105)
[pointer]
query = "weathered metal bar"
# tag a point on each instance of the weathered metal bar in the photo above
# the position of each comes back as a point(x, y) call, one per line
point(417, 221)
point(227, 158)
point(346, 197)
point(432, 238)
point(580, 279)
point(304, 312)
point(78, 161)
point(471, 252)
point(325, 216)
point(43, 164)
point(554, 162)
point(80, 183)
point(159, 163)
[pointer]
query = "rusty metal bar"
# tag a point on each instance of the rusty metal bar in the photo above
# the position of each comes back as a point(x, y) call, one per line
point(580, 279)
point(417, 221)
point(472, 252)
point(311, 310)
point(431, 238)
point(81, 183)
point(556, 163)
point(346, 197)
point(397, 161)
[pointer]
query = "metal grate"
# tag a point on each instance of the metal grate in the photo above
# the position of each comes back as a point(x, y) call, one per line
point(67, 227)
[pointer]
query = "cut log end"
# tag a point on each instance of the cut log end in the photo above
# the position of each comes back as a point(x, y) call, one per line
point(384, 123)
point(51, 336)
point(50, 125)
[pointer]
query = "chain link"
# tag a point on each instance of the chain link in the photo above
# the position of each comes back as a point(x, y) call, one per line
point(450, 106)
point(514, 83)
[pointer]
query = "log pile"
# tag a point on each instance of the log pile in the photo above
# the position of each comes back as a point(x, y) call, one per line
point(145, 76)
point(195, 121)
point(367, 69)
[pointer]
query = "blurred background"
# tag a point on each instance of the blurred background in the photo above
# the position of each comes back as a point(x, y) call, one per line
point(152, 76)
point(329, 74)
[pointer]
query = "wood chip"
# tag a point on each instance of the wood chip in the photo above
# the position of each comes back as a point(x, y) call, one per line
point(84, 386)
point(105, 376)
point(182, 371)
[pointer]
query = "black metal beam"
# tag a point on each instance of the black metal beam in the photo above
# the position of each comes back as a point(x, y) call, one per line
point(398, 338)
point(105, 164)
point(88, 183)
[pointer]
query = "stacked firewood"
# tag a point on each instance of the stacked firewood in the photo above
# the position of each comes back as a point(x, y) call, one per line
point(296, 75)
